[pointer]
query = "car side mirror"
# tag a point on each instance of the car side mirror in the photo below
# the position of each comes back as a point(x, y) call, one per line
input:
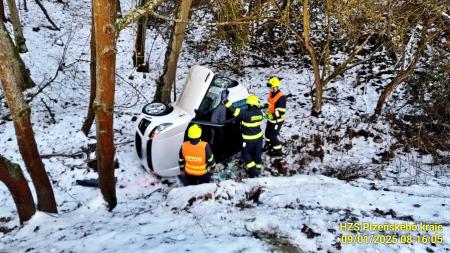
point(134, 118)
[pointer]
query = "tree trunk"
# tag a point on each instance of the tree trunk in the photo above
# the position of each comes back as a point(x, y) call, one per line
point(15, 20)
point(119, 9)
point(139, 47)
point(403, 75)
point(2, 12)
point(11, 175)
point(24, 79)
point(167, 79)
point(318, 82)
point(105, 43)
point(91, 115)
point(10, 79)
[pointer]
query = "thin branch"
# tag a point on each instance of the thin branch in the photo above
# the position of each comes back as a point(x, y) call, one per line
point(52, 115)
point(136, 14)
point(55, 27)
point(148, 9)
point(342, 67)
point(69, 155)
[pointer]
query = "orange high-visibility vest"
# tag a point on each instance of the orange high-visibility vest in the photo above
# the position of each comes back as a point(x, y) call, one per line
point(195, 158)
point(273, 100)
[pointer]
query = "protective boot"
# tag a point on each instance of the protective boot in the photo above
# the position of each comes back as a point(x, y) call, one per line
point(275, 152)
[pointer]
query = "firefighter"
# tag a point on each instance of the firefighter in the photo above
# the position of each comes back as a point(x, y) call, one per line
point(251, 119)
point(196, 158)
point(275, 117)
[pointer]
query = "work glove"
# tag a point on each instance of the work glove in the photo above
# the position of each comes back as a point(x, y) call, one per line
point(224, 96)
point(269, 116)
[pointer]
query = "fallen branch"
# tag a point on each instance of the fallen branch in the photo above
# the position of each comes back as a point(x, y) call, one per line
point(52, 115)
point(70, 155)
point(55, 27)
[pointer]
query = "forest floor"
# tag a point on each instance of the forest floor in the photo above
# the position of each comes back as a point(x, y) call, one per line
point(339, 167)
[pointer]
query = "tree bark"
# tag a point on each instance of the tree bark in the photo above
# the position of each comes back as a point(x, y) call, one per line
point(167, 79)
point(318, 82)
point(17, 26)
point(105, 43)
point(119, 9)
point(25, 81)
point(2, 12)
point(139, 47)
point(10, 78)
point(403, 75)
point(93, 92)
point(11, 175)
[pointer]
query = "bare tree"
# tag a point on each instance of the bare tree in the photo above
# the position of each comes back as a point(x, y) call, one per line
point(403, 74)
point(10, 77)
point(11, 175)
point(105, 30)
point(105, 43)
point(167, 79)
point(93, 90)
point(321, 79)
point(15, 20)
point(139, 46)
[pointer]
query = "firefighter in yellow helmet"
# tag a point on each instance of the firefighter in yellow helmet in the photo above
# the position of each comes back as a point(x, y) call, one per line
point(275, 117)
point(251, 119)
point(195, 158)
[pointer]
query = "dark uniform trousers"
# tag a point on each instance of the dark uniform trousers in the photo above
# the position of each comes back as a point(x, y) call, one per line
point(195, 180)
point(251, 120)
point(271, 133)
point(251, 155)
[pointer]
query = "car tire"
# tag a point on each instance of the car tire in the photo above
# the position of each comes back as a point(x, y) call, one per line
point(156, 109)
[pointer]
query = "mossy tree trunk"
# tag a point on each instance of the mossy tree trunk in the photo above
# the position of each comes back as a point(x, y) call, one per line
point(167, 79)
point(10, 78)
point(105, 43)
point(11, 175)
point(25, 81)
point(15, 20)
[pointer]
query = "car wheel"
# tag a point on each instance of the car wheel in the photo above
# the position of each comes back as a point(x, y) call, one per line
point(156, 109)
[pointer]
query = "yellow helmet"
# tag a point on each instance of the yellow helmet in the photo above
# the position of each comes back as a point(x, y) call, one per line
point(274, 82)
point(194, 132)
point(252, 100)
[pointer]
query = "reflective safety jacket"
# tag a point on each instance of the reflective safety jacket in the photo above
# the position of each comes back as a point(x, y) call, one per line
point(195, 155)
point(277, 106)
point(251, 120)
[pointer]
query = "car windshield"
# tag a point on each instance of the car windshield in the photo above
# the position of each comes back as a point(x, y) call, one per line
point(212, 98)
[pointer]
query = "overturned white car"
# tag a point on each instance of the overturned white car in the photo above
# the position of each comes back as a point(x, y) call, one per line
point(161, 129)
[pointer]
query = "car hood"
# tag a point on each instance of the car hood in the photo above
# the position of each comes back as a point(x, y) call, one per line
point(195, 88)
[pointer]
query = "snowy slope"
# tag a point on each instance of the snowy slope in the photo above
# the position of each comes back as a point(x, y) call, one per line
point(152, 216)
point(221, 218)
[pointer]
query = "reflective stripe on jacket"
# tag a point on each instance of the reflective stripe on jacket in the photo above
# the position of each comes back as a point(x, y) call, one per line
point(195, 158)
point(251, 120)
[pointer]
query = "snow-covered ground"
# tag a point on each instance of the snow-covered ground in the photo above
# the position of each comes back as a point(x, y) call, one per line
point(301, 211)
